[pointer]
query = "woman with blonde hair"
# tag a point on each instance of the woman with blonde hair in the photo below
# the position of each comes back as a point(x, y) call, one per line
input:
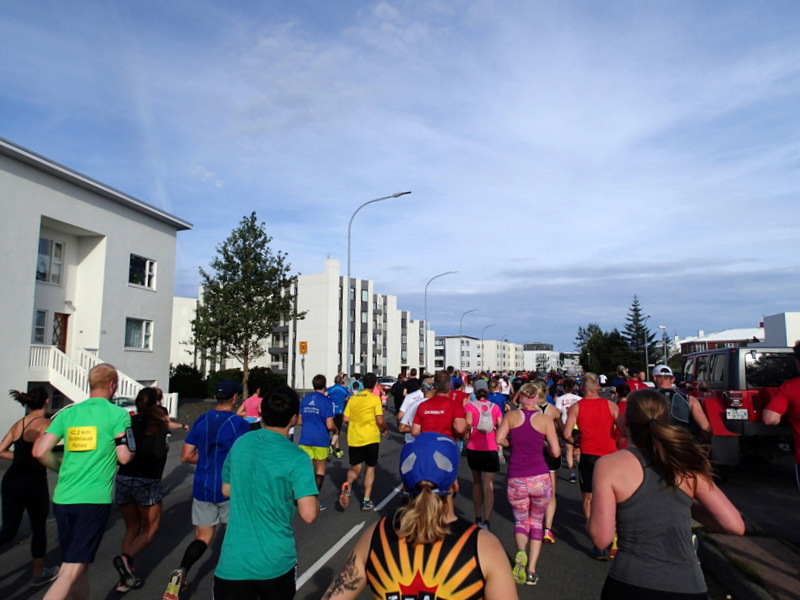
point(528, 432)
point(393, 554)
point(648, 493)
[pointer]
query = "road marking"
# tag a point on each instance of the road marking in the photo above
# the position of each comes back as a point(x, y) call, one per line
point(327, 556)
point(394, 493)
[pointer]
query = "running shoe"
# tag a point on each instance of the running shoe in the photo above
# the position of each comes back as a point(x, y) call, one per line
point(127, 579)
point(484, 525)
point(123, 587)
point(339, 453)
point(330, 451)
point(322, 507)
point(548, 538)
point(532, 579)
point(572, 478)
point(48, 575)
point(599, 554)
point(175, 585)
point(612, 553)
point(367, 505)
point(520, 562)
point(344, 495)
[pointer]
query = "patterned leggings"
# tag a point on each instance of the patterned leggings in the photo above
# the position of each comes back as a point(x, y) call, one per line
point(529, 497)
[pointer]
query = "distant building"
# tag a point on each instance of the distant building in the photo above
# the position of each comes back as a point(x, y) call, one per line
point(91, 274)
point(727, 338)
point(385, 340)
point(782, 329)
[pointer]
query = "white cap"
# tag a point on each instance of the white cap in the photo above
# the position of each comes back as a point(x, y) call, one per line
point(662, 370)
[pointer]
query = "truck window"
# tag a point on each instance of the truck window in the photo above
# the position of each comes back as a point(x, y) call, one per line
point(688, 376)
point(768, 369)
point(701, 370)
point(716, 369)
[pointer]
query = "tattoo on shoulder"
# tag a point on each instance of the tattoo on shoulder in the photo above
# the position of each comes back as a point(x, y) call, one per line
point(348, 580)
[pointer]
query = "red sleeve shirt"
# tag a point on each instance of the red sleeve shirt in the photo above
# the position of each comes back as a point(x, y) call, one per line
point(786, 401)
point(437, 414)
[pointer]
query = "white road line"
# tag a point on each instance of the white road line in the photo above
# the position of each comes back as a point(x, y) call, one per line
point(386, 500)
point(327, 556)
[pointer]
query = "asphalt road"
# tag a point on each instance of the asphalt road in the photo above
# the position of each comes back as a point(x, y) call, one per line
point(566, 570)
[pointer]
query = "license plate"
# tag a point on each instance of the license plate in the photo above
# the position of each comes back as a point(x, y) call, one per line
point(736, 414)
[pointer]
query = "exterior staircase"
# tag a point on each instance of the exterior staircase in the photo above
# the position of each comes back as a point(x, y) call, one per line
point(71, 377)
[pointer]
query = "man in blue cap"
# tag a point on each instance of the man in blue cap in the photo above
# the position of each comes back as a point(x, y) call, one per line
point(207, 446)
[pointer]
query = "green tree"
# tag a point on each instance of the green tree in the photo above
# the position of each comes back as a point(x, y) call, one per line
point(585, 334)
point(601, 352)
point(246, 294)
point(637, 335)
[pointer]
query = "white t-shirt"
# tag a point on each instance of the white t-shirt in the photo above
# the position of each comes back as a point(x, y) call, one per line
point(563, 402)
point(409, 409)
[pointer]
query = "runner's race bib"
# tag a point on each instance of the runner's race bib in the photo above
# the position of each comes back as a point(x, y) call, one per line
point(81, 439)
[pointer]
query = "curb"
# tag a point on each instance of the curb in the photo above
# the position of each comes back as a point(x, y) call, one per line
point(741, 586)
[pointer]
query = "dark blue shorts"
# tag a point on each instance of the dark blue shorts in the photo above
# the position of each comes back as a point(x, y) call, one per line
point(80, 529)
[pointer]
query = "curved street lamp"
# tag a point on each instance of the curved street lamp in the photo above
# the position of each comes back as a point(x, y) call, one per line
point(460, 336)
point(482, 350)
point(425, 341)
point(346, 324)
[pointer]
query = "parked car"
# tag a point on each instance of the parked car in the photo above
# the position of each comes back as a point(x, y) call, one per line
point(734, 385)
point(386, 382)
point(128, 404)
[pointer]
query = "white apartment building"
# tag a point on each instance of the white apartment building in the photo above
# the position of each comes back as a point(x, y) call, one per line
point(384, 340)
point(501, 355)
point(460, 351)
point(91, 273)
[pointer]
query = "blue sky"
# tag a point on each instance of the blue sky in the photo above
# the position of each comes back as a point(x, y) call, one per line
point(563, 156)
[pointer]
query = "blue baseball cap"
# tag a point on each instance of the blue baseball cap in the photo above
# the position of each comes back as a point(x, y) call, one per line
point(227, 388)
point(429, 457)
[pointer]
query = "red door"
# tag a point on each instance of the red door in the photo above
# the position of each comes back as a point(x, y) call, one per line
point(60, 331)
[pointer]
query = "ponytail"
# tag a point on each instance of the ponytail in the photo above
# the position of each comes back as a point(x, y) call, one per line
point(33, 400)
point(675, 454)
point(424, 519)
point(147, 407)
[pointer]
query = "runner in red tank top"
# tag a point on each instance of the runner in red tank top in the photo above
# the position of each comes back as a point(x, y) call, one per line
point(596, 419)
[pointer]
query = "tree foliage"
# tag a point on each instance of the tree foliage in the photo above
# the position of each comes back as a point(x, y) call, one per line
point(246, 294)
point(601, 352)
point(638, 336)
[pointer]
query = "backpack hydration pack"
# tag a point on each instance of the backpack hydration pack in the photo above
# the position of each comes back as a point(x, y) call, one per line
point(485, 423)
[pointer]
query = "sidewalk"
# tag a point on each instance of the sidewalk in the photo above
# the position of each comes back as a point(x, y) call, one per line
point(755, 566)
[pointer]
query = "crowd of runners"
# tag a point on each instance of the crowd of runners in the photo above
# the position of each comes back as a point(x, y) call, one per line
point(638, 504)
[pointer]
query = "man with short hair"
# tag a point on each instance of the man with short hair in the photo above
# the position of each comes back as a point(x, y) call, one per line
point(410, 405)
point(635, 382)
point(686, 411)
point(596, 418)
point(265, 475)
point(96, 436)
point(316, 421)
point(338, 394)
point(563, 403)
point(366, 424)
point(440, 414)
point(210, 439)
point(786, 401)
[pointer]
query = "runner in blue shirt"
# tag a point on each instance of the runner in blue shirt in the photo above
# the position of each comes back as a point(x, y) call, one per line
point(338, 394)
point(316, 420)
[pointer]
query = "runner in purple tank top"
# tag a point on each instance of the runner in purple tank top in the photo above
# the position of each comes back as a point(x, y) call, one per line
point(529, 486)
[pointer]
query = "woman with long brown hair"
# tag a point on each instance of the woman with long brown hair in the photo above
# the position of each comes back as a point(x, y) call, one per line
point(24, 485)
point(471, 562)
point(648, 493)
point(138, 484)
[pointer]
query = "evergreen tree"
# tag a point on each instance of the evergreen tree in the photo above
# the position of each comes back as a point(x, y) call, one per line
point(246, 294)
point(638, 336)
point(601, 352)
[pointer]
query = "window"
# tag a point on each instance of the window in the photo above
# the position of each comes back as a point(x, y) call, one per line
point(142, 271)
point(39, 320)
point(50, 261)
point(364, 296)
point(363, 317)
point(138, 334)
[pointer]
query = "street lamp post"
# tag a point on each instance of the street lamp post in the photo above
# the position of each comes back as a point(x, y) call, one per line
point(346, 324)
point(646, 354)
point(663, 329)
point(425, 341)
point(460, 336)
point(482, 350)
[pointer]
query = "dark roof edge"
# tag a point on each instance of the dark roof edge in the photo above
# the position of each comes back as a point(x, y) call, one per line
point(46, 165)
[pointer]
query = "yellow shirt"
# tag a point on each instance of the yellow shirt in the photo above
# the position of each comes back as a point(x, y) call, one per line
point(362, 409)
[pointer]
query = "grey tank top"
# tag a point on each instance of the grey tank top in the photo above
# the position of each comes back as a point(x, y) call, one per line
point(654, 529)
